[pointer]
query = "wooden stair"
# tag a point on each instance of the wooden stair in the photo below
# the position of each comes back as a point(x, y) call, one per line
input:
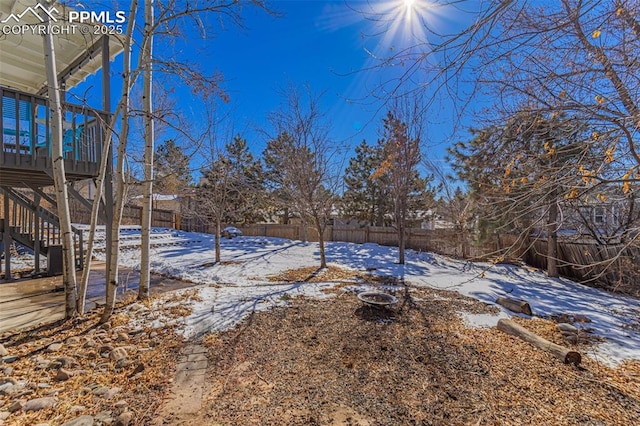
point(26, 222)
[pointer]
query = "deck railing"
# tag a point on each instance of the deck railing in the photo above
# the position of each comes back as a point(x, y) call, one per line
point(36, 227)
point(25, 120)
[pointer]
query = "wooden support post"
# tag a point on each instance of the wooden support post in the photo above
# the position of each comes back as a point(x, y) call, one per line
point(36, 232)
point(563, 354)
point(6, 239)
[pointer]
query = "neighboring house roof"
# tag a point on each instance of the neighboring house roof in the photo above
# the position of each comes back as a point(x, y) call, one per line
point(160, 197)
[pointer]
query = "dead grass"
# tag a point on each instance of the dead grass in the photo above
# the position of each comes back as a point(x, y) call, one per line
point(314, 274)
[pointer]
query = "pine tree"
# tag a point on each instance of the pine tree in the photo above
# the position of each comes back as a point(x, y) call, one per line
point(524, 173)
point(172, 172)
point(401, 151)
point(248, 184)
point(274, 157)
point(366, 197)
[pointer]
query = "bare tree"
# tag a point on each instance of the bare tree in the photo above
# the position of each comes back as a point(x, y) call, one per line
point(123, 105)
point(214, 196)
point(308, 177)
point(147, 193)
point(59, 178)
point(401, 148)
point(167, 23)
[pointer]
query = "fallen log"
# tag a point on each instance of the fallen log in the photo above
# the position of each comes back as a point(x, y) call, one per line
point(519, 306)
point(565, 355)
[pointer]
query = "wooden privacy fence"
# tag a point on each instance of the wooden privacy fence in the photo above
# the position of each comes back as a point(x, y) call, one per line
point(447, 242)
point(615, 266)
point(131, 215)
point(291, 232)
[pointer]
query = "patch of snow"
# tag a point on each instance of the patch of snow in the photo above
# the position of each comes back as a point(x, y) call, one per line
point(243, 285)
point(481, 320)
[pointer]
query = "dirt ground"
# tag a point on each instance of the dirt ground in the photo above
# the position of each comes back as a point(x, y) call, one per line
point(339, 362)
point(324, 362)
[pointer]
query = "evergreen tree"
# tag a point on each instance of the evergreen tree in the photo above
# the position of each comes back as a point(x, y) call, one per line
point(366, 197)
point(248, 184)
point(275, 157)
point(172, 173)
point(525, 173)
point(401, 155)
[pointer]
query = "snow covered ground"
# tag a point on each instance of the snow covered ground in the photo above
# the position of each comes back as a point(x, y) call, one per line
point(238, 285)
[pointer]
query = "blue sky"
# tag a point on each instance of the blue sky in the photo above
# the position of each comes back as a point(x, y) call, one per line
point(325, 44)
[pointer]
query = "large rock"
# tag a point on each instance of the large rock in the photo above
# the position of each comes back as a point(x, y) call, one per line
point(85, 420)
point(40, 403)
point(563, 326)
point(3, 350)
point(124, 419)
point(54, 347)
point(118, 354)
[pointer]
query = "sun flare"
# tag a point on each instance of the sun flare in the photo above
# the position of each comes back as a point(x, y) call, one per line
point(409, 4)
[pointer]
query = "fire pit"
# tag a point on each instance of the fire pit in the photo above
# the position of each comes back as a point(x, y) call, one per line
point(377, 298)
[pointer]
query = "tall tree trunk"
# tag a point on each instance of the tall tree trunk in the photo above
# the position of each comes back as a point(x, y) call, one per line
point(305, 225)
point(400, 211)
point(552, 236)
point(217, 237)
point(145, 261)
point(121, 189)
point(59, 178)
point(106, 149)
point(320, 230)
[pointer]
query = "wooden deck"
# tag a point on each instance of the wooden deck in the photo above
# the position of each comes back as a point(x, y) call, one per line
point(25, 146)
point(28, 303)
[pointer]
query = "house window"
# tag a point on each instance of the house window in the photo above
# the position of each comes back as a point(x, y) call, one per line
point(617, 220)
point(598, 215)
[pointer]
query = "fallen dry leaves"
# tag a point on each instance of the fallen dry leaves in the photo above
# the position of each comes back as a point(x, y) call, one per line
point(152, 350)
point(338, 361)
point(314, 274)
